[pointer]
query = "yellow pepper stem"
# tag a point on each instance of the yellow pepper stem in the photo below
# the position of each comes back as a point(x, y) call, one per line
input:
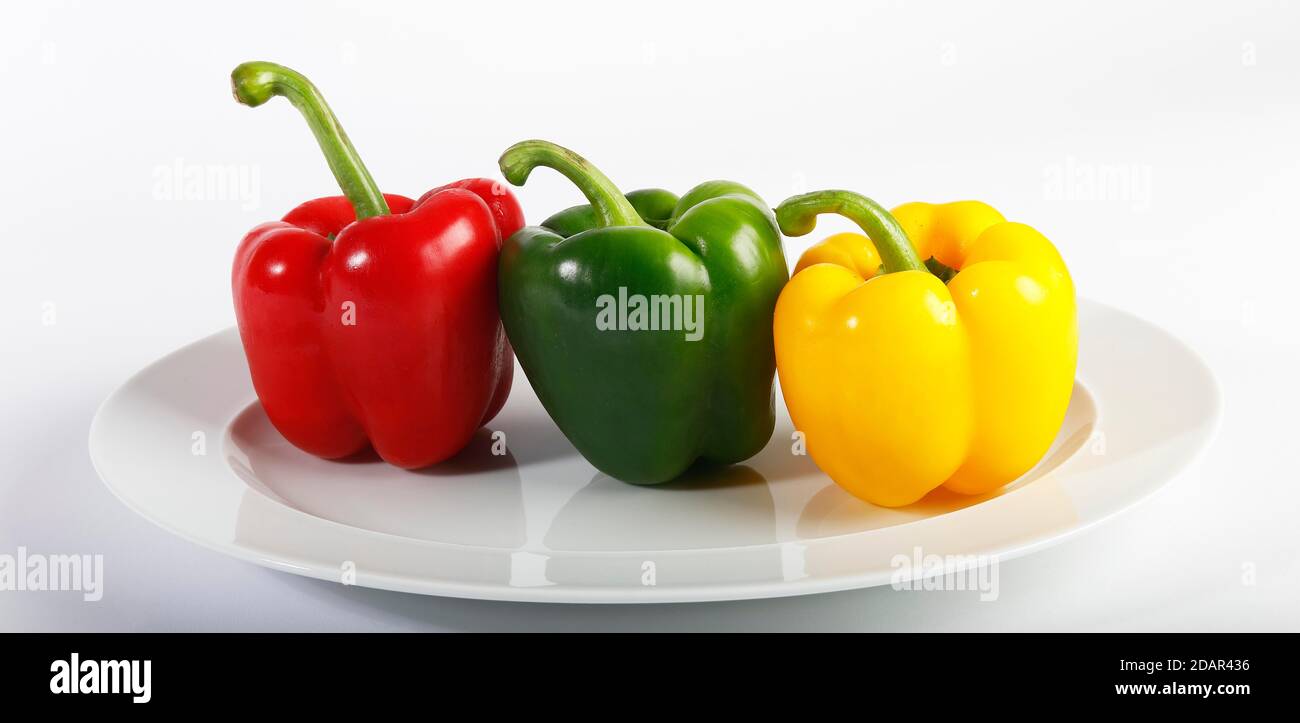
point(798, 215)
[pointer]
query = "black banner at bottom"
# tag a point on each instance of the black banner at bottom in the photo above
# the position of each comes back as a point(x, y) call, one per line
point(209, 672)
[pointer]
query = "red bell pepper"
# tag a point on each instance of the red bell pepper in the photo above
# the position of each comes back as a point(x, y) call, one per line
point(370, 318)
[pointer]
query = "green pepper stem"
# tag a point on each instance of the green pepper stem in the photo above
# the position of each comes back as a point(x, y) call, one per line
point(798, 215)
point(257, 82)
point(611, 206)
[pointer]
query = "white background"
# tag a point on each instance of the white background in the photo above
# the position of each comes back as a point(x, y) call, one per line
point(1189, 110)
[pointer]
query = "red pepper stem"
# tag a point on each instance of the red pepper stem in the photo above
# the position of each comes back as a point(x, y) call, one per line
point(611, 206)
point(257, 82)
point(798, 215)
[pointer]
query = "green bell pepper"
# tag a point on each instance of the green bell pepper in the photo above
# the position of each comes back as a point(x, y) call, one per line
point(644, 322)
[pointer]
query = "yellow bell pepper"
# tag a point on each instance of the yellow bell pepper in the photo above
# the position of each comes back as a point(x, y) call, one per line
point(901, 383)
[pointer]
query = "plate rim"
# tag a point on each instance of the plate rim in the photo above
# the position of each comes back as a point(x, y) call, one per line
point(568, 593)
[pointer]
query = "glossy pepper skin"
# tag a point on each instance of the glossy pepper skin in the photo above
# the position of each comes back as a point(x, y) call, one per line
point(902, 383)
point(371, 319)
point(643, 405)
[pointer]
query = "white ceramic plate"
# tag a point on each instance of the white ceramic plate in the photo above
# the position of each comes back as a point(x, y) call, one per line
point(185, 444)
